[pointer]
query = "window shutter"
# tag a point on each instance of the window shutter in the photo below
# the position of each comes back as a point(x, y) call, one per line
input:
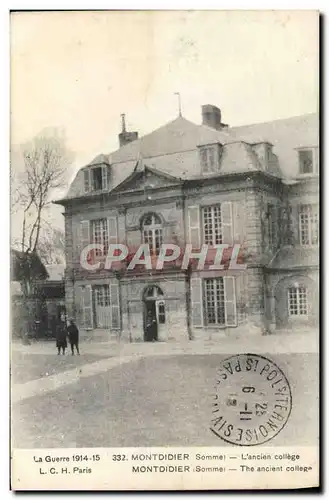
point(230, 301)
point(204, 160)
point(212, 159)
point(239, 224)
point(227, 222)
point(115, 305)
point(77, 241)
point(112, 226)
point(288, 225)
point(104, 177)
point(84, 233)
point(78, 306)
point(86, 180)
point(87, 306)
point(194, 226)
point(196, 302)
point(209, 158)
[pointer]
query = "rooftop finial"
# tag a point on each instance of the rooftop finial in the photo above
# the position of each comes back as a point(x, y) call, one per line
point(123, 121)
point(179, 103)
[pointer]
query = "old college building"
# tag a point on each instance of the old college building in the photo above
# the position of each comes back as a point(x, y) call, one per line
point(212, 184)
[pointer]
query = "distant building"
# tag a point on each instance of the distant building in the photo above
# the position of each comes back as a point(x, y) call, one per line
point(36, 314)
point(50, 294)
point(255, 185)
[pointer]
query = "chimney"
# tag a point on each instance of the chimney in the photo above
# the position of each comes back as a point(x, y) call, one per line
point(124, 136)
point(212, 117)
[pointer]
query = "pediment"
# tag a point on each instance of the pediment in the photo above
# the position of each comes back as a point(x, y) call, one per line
point(147, 178)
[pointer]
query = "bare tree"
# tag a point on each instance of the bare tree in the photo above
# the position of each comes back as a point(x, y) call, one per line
point(14, 192)
point(51, 246)
point(45, 165)
point(45, 162)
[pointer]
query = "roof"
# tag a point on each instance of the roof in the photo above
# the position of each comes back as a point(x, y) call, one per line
point(173, 149)
point(55, 272)
point(285, 135)
point(304, 128)
point(99, 159)
point(181, 135)
point(174, 137)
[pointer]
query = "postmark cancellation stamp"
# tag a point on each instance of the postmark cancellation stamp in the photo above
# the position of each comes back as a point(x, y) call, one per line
point(252, 400)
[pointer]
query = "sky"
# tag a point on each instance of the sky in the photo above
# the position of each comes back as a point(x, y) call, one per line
point(79, 71)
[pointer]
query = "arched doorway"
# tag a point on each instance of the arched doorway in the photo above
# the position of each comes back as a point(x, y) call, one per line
point(154, 312)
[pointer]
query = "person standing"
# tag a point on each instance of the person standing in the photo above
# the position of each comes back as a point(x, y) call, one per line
point(151, 328)
point(73, 333)
point(61, 333)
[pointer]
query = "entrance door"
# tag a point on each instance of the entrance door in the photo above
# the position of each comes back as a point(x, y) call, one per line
point(150, 322)
point(151, 312)
point(102, 306)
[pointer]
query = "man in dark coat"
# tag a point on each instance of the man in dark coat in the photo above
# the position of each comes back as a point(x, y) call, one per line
point(73, 333)
point(150, 328)
point(61, 334)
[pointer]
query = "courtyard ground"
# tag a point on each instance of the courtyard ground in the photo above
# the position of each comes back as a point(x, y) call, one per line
point(145, 394)
point(26, 366)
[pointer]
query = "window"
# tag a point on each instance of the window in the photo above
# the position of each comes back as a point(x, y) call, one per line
point(153, 292)
point(297, 301)
point(209, 159)
point(100, 234)
point(152, 232)
point(214, 301)
point(212, 225)
point(161, 312)
point(306, 161)
point(308, 225)
point(102, 295)
point(95, 178)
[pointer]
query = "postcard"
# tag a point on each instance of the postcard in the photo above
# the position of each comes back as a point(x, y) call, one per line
point(164, 250)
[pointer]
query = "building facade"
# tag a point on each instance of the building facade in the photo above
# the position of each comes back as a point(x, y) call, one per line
point(255, 186)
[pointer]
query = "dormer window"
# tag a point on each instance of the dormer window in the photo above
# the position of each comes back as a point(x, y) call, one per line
point(209, 157)
point(95, 178)
point(307, 161)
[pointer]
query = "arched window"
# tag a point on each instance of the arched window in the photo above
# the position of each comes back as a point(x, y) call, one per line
point(152, 232)
point(152, 292)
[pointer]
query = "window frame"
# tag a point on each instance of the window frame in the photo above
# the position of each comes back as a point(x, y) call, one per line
point(154, 238)
point(205, 152)
point(272, 224)
point(315, 161)
point(105, 295)
point(301, 302)
point(93, 178)
point(89, 181)
point(103, 241)
point(216, 304)
point(312, 225)
point(213, 224)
